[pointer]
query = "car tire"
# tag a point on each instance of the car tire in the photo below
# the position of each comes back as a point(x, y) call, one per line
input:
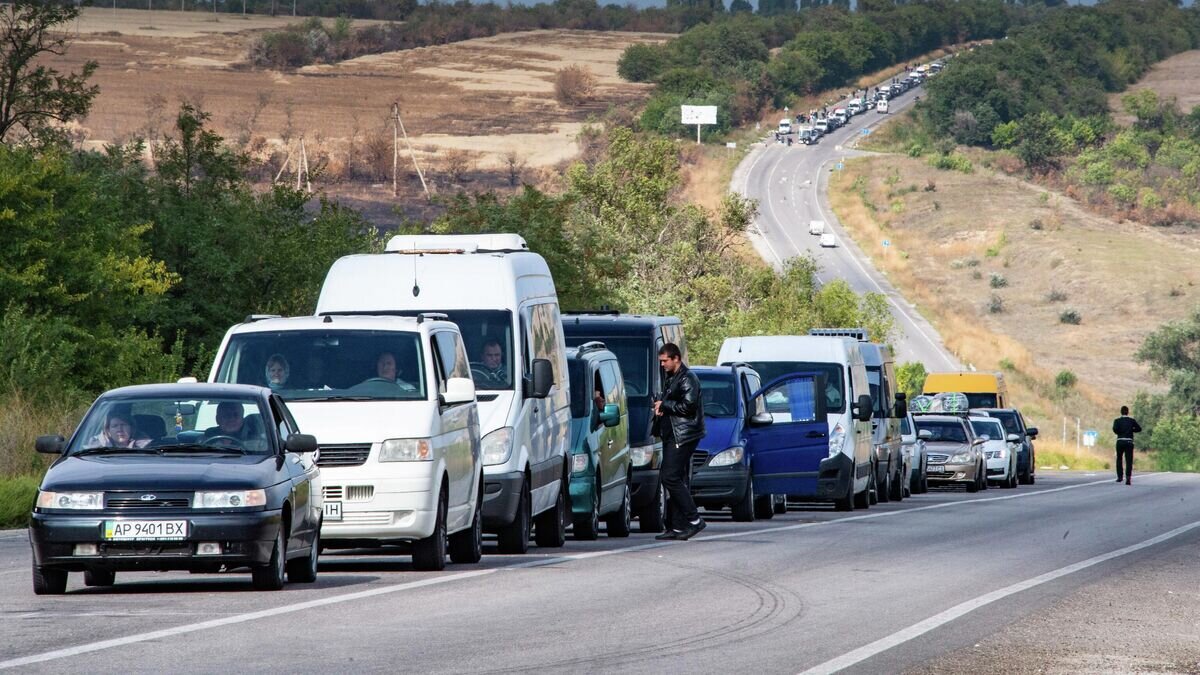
point(897, 484)
point(270, 577)
point(586, 526)
point(764, 507)
point(872, 490)
point(883, 493)
point(429, 554)
point(514, 537)
point(618, 522)
point(550, 528)
point(983, 481)
point(743, 510)
point(466, 546)
point(304, 570)
point(653, 518)
point(99, 578)
point(49, 581)
point(780, 504)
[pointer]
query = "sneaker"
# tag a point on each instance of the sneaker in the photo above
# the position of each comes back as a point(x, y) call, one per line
point(1118, 479)
point(669, 535)
point(1127, 482)
point(692, 530)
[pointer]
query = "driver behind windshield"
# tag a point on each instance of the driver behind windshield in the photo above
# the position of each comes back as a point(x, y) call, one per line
point(231, 423)
point(491, 372)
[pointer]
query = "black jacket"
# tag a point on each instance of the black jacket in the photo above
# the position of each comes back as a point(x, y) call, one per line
point(682, 406)
point(1125, 427)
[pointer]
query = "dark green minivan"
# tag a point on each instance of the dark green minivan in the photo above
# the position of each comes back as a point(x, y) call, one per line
point(600, 457)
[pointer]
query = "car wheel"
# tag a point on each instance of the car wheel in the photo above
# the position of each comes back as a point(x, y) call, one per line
point(872, 490)
point(466, 547)
point(429, 554)
point(973, 485)
point(587, 525)
point(764, 507)
point(743, 511)
point(551, 528)
point(983, 481)
point(270, 577)
point(780, 504)
point(99, 578)
point(883, 492)
point(618, 523)
point(49, 581)
point(304, 570)
point(514, 538)
point(653, 518)
point(897, 482)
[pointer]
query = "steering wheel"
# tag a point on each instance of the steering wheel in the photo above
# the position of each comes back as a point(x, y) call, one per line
point(225, 442)
point(717, 409)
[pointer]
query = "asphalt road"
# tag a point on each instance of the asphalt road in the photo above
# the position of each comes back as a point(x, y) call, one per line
point(914, 586)
point(790, 186)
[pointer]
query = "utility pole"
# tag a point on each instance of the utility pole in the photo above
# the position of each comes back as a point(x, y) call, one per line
point(398, 123)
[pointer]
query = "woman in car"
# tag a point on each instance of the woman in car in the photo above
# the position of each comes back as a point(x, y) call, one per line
point(118, 432)
point(277, 372)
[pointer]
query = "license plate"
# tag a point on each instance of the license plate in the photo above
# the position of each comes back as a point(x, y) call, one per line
point(145, 530)
point(333, 511)
point(936, 469)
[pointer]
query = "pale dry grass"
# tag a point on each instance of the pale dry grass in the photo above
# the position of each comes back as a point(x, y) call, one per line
point(1172, 78)
point(22, 420)
point(171, 23)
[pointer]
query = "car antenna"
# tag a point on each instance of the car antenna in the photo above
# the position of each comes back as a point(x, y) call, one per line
point(328, 319)
point(416, 290)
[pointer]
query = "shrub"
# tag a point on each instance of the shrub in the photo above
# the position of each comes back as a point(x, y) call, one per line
point(1056, 295)
point(1070, 316)
point(976, 275)
point(998, 281)
point(1176, 440)
point(994, 250)
point(16, 500)
point(574, 85)
point(952, 161)
point(1006, 364)
point(641, 62)
point(996, 304)
point(1065, 379)
point(1036, 223)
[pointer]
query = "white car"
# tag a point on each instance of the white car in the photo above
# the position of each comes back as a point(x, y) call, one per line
point(816, 227)
point(999, 455)
point(914, 449)
point(828, 240)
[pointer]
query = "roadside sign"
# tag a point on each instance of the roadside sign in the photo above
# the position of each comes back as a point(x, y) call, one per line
point(887, 242)
point(865, 131)
point(840, 166)
point(698, 114)
point(1089, 438)
point(731, 145)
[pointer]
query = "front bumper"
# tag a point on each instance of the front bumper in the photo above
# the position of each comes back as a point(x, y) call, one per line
point(720, 486)
point(395, 509)
point(997, 468)
point(953, 473)
point(246, 539)
point(501, 494)
point(645, 482)
point(583, 491)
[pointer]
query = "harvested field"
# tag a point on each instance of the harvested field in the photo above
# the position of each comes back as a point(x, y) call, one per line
point(1177, 77)
point(166, 23)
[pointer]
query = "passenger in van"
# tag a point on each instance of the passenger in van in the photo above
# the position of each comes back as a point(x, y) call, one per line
point(277, 372)
point(386, 369)
point(117, 432)
point(491, 372)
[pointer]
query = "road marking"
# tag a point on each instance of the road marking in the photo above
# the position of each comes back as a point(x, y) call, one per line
point(88, 648)
point(942, 618)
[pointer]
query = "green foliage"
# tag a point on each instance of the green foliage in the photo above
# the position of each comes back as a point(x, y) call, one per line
point(998, 281)
point(16, 500)
point(951, 162)
point(641, 62)
point(995, 304)
point(910, 376)
point(994, 250)
point(1065, 379)
point(1007, 365)
point(1070, 317)
point(1176, 441)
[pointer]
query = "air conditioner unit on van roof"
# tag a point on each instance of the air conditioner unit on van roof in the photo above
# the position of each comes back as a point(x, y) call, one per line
point(457, 243)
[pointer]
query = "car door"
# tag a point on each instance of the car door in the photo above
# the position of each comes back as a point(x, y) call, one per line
point(787, 434)
point(614, 441)
point(453, 435)
point(300, 474)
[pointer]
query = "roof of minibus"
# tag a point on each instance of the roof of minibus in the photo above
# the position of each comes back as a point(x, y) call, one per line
point(813, 349)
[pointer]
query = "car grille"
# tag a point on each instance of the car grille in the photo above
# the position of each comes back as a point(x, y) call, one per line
point(938, 459)
point(334, 492)
point(143, 549)
point(349, 493)
point(343, 455)
point(135, 503)
point(699, 459)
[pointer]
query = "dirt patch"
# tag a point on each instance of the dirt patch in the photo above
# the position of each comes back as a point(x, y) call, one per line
point(166, 23)
point(1176, 77)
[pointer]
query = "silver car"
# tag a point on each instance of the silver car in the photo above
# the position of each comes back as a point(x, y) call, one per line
point(915, 455)
point(955, 454)
point(999, 450)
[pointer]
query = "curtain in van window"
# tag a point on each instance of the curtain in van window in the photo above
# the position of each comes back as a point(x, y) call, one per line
point(802, 400)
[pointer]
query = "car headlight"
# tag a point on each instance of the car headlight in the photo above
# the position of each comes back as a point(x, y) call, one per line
point(579, 463)
point(641, 455)
point(230, 499)
point(728, 456)
point(836, 438)
point(497, 446)
point(70, 500)
point(406, 450)
point(960, 458)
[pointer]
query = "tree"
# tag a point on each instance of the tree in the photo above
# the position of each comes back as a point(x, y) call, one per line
point(1040, 144)
point(33, 96)
point(910, 376)
point(740, 7)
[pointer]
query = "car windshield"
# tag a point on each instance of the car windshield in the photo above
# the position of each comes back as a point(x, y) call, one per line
point(633, 355)
point(719, 392)
point(309, 365)
point(835, 387)
point(989, 428)
point(165, 424)
point(1008, 419)
point(949, 432)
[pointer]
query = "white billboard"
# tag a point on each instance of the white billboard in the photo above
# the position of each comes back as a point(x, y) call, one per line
point(699, 114)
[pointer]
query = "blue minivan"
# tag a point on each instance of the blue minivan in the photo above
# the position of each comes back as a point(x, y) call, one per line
point(763, 443)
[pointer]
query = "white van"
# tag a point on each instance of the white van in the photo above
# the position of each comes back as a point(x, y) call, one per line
point(816, 227)
point(502, 297)
point(855, 106)
point(882, 106)
point(394, 404)
point(785, 126)
point(844, 476)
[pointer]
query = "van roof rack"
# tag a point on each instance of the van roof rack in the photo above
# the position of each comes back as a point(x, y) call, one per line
point(859, 334)
point(251, 318)
point(604, 309)
point(591, 346)
point(422, 317)
point(456, 244)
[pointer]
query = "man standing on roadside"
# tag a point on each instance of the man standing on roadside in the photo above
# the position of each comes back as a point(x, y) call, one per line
point(1125, 427)
point(680, 417)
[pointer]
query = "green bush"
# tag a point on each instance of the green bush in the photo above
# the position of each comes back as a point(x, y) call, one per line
point(1070, 316)
point(1177, 443)
point(996, 304)
point(910, 376)
point(17, 496)
point(952, 162)
point(998, 281)
point(1065, 379)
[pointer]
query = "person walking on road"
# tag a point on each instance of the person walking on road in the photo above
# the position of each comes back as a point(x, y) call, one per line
point(679, 415)
point(1125, 427)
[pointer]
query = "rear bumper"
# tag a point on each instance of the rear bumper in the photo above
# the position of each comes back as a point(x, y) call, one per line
point(245, 538)
point(720, 486)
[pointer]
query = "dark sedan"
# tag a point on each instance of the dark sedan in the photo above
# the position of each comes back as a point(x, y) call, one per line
point(197, 477)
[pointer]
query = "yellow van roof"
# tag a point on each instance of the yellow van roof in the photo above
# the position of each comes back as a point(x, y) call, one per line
point(967, 383)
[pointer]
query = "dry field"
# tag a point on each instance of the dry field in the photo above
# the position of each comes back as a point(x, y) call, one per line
point(1123, 279)
point(1178, 77)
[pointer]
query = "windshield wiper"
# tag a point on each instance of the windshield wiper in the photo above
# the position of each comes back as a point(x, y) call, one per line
point(334, 398)
point(192, 447)
point(113, 449)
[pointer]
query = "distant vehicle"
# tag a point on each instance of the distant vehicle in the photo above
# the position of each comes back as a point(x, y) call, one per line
point(914, 449)
point(807, 134)
point(1014, 423)
point(785, 126)
point(828, 240)
point(983, 390)
point(999, 457)
point(841, 116)
point(856, 106)
point(881, 106)
point(600, 463)
point(199, 477)
point(822, 126)
point(816, 227)
point(954, 453)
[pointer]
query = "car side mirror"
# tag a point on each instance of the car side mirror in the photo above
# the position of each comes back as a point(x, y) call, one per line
point(984, 437)
point(924, 434)
point(1013, 438)
point(540, 380)
point(862, 411)
point(51, 445)
point(301, 443)
point(611, 415)
point(1031, 432)
point(901, 408)
point(979, 441)
point(459, 390)
point(761, 419)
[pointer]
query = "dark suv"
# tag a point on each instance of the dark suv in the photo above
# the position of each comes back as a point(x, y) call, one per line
point(635, 340)
point(1014, 423)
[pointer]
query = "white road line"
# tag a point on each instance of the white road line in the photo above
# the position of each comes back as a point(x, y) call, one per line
point(942, 618)
point(88, 648)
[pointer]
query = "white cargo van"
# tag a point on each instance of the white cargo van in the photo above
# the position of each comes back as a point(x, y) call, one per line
point(785, 126)
point(502, 297)
point(394, 404)
point(881, 107)
point(816, 227)
point(844, 476)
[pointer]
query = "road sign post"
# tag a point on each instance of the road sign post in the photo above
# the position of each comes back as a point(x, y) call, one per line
point(698, 115)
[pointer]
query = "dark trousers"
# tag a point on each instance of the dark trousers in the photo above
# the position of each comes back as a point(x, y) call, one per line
point(1124, 459)
point(676, 474)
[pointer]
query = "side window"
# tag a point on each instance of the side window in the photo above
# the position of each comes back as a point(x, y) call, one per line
point(793, 400)
point(282, 422)
point(452, 361)
point(611, 381)
point(545, 331)
point(759, 405)
point(526, 338)
point(597, 401)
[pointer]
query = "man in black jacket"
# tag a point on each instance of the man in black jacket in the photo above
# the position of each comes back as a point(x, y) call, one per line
point(1125, 427)
point(680, 417)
